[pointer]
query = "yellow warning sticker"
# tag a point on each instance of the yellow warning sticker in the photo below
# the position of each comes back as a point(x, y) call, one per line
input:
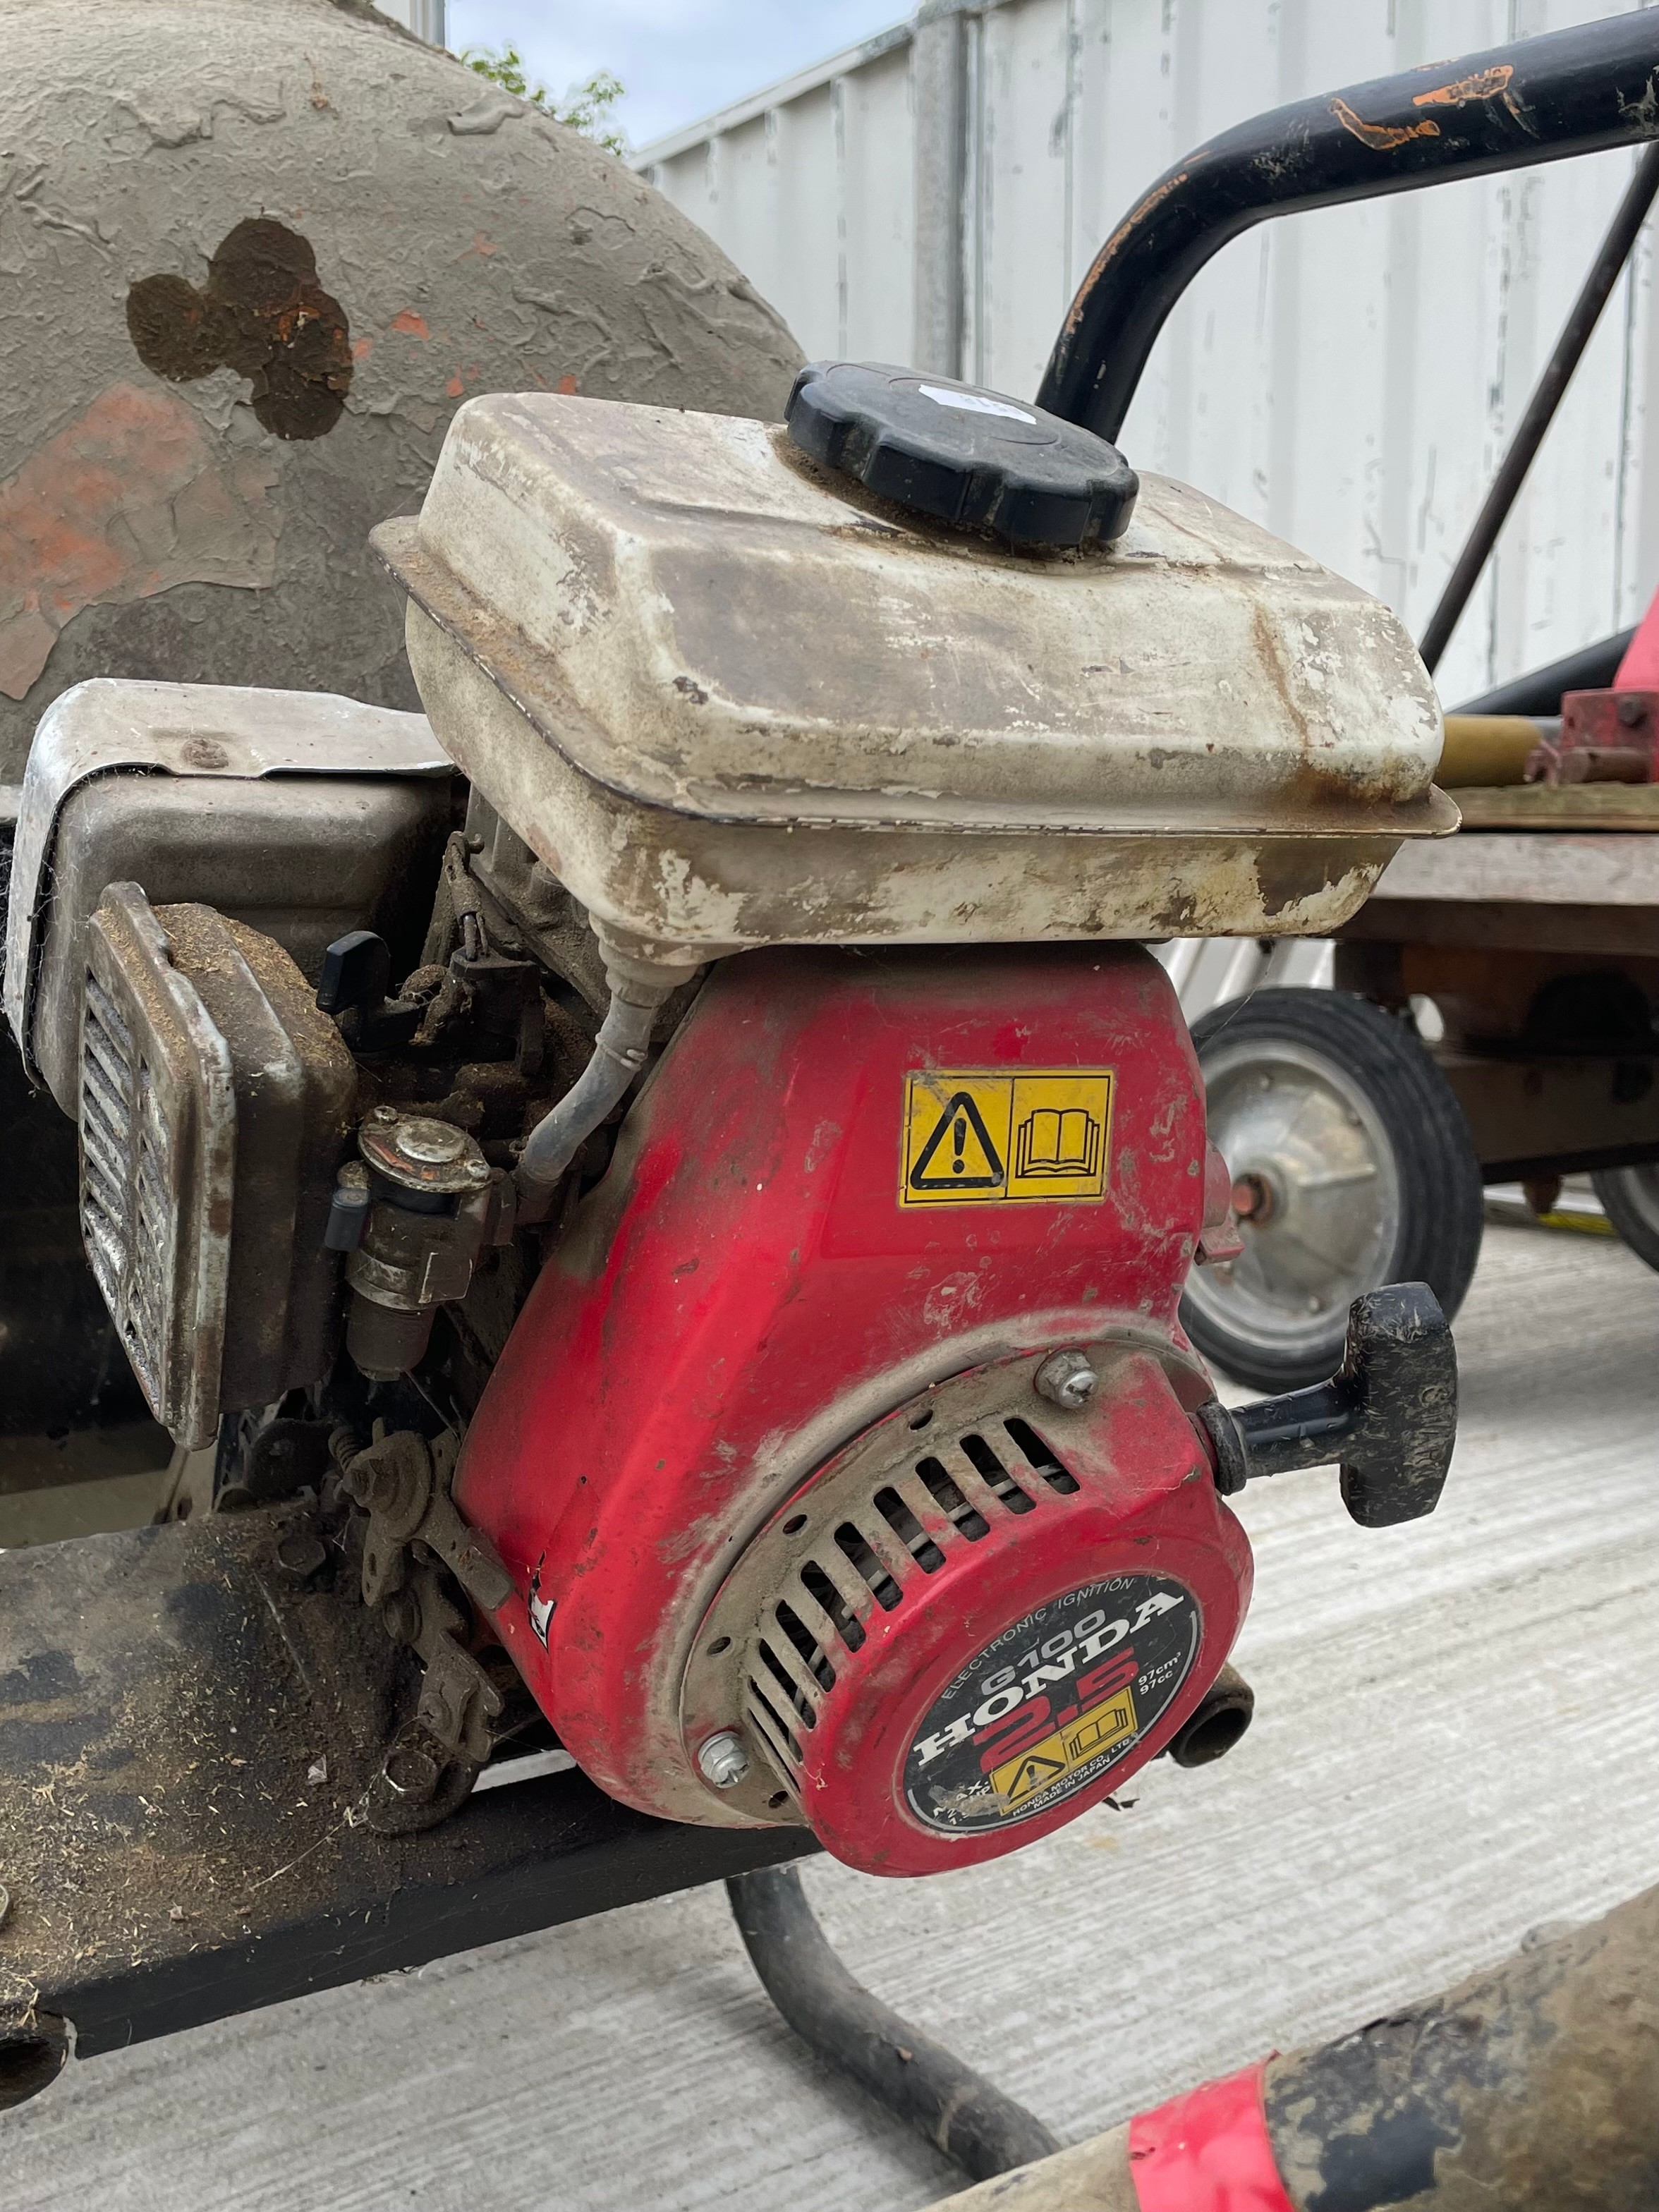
point(975, 1137)
point(1057, 1755)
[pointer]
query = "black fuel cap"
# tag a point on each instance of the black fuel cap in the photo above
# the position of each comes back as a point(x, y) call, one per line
point(969, 457)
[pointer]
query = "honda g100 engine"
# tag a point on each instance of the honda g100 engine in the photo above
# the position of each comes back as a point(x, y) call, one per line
point(731, 1266)
point(846, 1460)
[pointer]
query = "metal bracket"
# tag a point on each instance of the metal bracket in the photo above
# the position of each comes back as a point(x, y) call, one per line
point(414, 1531)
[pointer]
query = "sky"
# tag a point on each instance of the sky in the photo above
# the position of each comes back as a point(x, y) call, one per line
point(680, 59)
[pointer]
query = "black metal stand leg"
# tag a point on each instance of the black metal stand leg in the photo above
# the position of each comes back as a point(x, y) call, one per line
point(959, 2112)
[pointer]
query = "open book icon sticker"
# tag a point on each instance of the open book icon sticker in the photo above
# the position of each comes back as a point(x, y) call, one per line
point(984, 1136)
point(1053, 1141)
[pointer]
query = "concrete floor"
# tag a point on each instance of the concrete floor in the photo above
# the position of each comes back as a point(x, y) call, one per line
point(1457, 1739)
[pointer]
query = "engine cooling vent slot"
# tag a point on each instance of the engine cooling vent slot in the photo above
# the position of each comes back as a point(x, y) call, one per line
point(852, 1551)
point(213, 1101)
point(123, 1210)
point(862, 1551)
point(158, 1132)
point(1040, 1456)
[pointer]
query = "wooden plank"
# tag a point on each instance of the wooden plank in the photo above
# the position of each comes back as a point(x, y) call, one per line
point(1562, 870)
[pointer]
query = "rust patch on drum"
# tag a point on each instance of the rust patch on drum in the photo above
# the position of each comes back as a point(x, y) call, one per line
point(264, 312)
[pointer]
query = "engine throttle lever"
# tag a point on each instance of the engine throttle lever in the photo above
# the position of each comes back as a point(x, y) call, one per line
point(1387, 1417)
point(355, 978)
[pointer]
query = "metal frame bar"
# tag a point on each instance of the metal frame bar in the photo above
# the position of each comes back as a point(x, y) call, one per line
point(208, 1721)
point(959, 2112)
point(1541, 408)
point(1539, 99)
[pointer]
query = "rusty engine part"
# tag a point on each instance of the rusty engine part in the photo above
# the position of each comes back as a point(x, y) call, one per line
point(299, 815)
point(413, 1538)
point(411, 1217)
point(700, 785)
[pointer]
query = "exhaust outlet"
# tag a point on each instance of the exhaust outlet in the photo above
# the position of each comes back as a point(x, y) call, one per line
point(1217, 1722)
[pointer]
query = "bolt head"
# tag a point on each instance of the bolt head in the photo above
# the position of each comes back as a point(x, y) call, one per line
point(1066, 1379)
point(400, 1614)
point(301, 1554)
point(723, 1759)
point(412, 1772)
point(431, 1143)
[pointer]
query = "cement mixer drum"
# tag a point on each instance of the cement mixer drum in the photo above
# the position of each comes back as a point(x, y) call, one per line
point(253, 254)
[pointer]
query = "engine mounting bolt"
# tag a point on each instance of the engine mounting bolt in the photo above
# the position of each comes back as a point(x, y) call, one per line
point(723, 1759)
point(302, 1554)
point(412, 1772)
point(400, 1613)
point(1066, 1379)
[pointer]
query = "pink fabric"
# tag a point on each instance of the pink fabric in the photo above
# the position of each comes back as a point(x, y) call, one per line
point(1208, 2151)
point(1639, 669)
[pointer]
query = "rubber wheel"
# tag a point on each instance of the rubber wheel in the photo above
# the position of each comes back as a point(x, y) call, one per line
point(1353, 1168)
point(1629, 1199)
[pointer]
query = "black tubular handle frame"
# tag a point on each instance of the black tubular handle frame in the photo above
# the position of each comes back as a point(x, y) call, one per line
point(1576, 91)
point(960, 2113)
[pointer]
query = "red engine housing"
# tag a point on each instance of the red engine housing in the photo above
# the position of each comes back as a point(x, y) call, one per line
point(777, 1265)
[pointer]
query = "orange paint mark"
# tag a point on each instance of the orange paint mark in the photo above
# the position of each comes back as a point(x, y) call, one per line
point(1382, 137)
point(361, 349)
point(1130, 224)
point(455, 388)
point(481, 245)
point(1485, 84)
point(411, 325)
point(566, 384)
point(129, 500)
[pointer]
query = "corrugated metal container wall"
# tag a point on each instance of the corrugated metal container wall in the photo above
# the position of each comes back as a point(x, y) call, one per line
point(1348, 378)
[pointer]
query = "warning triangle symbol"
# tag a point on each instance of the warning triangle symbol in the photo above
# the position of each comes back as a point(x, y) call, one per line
point(1035, 1773)
point(959, 1154)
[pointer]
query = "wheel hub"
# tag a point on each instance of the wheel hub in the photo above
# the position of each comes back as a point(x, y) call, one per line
point(1314, 1188)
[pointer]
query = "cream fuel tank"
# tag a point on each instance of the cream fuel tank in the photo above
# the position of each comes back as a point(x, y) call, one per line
point(737, 685)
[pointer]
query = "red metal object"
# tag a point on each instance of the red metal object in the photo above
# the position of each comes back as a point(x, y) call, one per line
point(1208, 2151)
point(1639, 669)
point(1144, 1553)
point(1219, 1239)
point(1611, 736)
point(1606, 736)
point(744, 1294)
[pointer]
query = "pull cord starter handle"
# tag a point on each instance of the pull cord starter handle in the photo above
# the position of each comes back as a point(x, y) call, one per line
point(1387, 1417)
